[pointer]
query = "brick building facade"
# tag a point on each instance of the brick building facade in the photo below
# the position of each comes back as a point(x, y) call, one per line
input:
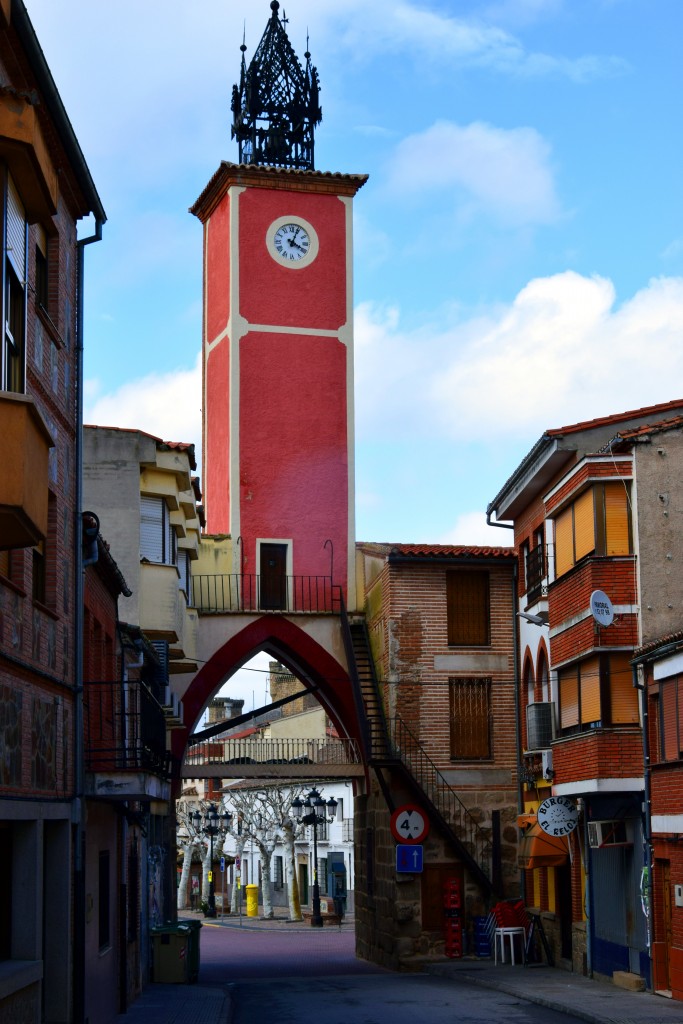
point(588, 510)
point(46, 189)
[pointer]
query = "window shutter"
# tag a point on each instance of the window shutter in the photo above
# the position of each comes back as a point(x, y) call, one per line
point(590, 691)
point(623, 695)
point(151, 528)
point(669, 720)
point(568, 679)
point(616, 519)
point(467, 601)
point(16, 231)
point(584, 525)
point(564, 546)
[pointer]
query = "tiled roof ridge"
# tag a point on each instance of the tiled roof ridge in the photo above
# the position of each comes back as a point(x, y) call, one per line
point(434, 550)
point(614, 418)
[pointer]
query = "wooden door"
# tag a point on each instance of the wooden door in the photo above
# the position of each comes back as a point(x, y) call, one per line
point(273, 577)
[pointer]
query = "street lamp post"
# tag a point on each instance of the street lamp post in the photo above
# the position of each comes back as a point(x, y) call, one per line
point(213, 824)
point(314, 811)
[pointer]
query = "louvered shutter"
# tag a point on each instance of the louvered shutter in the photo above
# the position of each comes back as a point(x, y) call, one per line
point(152, 528)
point(590, 691)
point(564, 542)
point(16, 231)
point(467, 600)
point(584, 525)
point(623, 695)
point(616, 519)
point(669, 720)
point(568, 680)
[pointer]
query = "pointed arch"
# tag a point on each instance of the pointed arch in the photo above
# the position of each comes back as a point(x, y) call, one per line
point(295, 649)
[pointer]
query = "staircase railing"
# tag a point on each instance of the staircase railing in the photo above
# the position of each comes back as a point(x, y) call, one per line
point(359, 703)
point(474, 842)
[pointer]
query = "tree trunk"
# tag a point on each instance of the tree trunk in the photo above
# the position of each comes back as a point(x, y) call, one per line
point(235, 897)
point(266, 851)
point(292, 880)
point(185, 876)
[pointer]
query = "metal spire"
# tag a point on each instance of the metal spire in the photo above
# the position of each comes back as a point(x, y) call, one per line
point(276, 105)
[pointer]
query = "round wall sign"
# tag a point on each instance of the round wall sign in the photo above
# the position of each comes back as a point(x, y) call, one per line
point(558, 816)
point(601, 608)
point(409, 824)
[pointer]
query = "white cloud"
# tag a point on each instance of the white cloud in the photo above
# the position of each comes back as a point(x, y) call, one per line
point(167, 405)
point(505, 173)
point(384, 27)
point(471, 529)
point(561, 352)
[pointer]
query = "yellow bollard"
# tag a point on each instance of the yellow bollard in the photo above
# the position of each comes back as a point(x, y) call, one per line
point(252, 900)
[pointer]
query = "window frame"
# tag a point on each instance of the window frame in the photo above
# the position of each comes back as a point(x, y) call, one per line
point(608, 523)
point(474, 628)
point(612, 693)
point(483, 721)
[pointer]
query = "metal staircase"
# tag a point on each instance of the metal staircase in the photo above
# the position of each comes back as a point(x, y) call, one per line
point(389, 743)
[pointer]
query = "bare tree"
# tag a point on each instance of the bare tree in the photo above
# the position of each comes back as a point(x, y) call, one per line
point(189, 842)
point(265, 819)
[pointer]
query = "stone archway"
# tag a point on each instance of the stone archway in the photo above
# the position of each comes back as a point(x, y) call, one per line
point(294, 647)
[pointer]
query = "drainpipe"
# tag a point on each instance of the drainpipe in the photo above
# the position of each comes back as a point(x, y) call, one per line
point(518, 710)
point(647, 816)
point(78, 812)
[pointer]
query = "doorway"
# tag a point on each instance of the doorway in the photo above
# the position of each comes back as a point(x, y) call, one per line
point(273, 577)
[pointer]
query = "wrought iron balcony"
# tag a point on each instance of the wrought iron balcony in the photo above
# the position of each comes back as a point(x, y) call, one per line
point(246, 592)
point(536, 572)
point(125, 729)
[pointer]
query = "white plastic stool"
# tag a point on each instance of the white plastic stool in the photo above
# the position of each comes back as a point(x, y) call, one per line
point(509, 933)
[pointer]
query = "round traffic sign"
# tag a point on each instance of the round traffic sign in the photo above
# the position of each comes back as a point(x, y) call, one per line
point(409, 824)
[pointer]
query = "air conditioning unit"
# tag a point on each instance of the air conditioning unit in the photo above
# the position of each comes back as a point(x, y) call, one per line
point(540, 721)
point(609, 833)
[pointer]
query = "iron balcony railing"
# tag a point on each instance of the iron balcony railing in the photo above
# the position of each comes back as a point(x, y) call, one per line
point(475, 840)
point(247, 592)
point(125, 729)
point(536, 572)
point(281, 751)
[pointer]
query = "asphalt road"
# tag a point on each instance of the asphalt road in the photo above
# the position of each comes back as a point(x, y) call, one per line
point(380, 999)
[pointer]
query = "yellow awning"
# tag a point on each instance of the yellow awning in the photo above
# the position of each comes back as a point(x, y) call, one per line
point(537, 849)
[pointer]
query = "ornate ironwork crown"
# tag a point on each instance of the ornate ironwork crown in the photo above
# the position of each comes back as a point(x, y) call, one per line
point(276, 105)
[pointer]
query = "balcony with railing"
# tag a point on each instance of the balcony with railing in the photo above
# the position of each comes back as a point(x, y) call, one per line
point(126, 756)
point(292, 757)
point(536, 573)
point(247, 592)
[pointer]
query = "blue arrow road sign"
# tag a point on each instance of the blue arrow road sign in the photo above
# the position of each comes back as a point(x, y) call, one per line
point(409, 859)
point(222, 863)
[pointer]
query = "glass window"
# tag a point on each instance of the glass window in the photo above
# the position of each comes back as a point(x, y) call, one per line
point(597, 692)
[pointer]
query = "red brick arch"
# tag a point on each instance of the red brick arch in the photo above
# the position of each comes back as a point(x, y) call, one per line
point(292, 647)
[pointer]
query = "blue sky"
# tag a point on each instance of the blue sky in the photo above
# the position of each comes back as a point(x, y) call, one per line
point(518, 247)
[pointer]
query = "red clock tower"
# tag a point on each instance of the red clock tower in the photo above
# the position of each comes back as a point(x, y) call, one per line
point(278, 441)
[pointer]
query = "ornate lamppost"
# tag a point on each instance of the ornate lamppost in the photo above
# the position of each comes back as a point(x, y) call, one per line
point(314, 811)
point(211, 826)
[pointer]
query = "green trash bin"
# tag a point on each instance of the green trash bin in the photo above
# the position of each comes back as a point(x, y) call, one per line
point(173, 953)
point(193, 947)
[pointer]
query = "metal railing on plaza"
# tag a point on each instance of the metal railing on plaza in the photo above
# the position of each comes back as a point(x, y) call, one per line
point(330, 751)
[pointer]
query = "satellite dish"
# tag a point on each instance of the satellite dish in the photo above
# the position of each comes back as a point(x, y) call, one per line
point(602, 609)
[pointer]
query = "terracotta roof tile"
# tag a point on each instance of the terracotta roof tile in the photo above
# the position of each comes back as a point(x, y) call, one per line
point(574, 428)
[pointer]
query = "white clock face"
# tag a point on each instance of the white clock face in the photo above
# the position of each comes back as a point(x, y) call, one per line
point(292, 242)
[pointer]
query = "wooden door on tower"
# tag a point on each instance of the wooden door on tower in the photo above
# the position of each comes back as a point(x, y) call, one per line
point(273, 573)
